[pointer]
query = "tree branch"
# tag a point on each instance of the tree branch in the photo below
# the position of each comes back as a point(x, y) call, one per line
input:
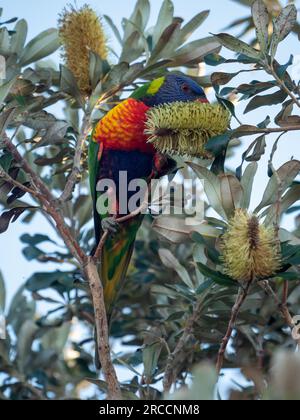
point(169, 376)
point(275, 130)
point(114, 391)
point(40, 186)
point(15, 183)
point(51, 206)
point(282, 85)
point(242, 296)
point(282, 305)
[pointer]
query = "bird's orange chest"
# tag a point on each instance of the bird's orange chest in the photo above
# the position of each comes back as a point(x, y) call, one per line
point(123, 128)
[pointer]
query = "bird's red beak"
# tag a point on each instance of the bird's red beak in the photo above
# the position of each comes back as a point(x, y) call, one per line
point(203, 100)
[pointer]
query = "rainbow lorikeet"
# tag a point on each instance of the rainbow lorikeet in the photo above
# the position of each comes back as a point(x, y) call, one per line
point(118, 143)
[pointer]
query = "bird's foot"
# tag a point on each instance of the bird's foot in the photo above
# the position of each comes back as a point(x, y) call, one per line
point(110, 225)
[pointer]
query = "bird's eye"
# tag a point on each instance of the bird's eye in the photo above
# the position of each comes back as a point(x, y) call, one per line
point(185, 88)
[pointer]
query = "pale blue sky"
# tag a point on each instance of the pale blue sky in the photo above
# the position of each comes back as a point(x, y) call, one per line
point(43, 14)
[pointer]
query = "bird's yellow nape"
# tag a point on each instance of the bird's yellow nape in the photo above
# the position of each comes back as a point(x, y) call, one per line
point(155, 85)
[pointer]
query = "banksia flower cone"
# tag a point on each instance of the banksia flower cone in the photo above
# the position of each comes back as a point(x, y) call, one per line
point(184, 128)
point(81, 31)
point(249, 249)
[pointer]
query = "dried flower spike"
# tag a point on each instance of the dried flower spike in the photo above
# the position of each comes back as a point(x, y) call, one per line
point(81, 31)
point(249, 249)
point(184, 128)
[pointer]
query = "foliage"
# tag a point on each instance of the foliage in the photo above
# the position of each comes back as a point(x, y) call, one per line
point(176, 317)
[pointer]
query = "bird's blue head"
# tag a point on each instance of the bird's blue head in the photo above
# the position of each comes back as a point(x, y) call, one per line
point(172, 88)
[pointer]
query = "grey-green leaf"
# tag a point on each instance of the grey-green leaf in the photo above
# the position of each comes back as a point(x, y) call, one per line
point(165, 18)
point(238, 46)
point(211, 187)
point(283, 26)
point(231, 193)
point(18, 39)
point(113, 28)
point(44, 44)
point(172, 263)
point(5, 89)
point(192, 25)
point(283, 179)
point(195, 50)
point(247, 184)
point(25, 338)
point(261, 20)
point(290, 198)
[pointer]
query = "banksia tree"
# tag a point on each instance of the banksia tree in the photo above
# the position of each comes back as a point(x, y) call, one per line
point(195, 284)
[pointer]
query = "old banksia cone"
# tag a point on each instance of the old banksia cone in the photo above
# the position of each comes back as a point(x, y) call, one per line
point(184, 128)
point(249, 249)
point(81, 32)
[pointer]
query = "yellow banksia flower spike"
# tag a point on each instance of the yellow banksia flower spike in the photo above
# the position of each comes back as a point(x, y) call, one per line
point(184, 128)
point(249, 249)
point(81, 31)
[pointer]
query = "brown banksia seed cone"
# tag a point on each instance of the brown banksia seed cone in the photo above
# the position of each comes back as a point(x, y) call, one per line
point(249, 249)
point(81, 32)
point(184, 128)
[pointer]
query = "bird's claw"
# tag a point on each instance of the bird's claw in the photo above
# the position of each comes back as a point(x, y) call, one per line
point(110, 225)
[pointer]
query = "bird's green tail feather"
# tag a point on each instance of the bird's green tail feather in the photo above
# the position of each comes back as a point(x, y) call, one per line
point(116, 257)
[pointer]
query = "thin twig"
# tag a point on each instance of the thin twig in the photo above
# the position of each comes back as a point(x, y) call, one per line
point(36, 180)
point(15, 183)
point(98, 253)
point(242, 296)
point(283, 85)
point(282, 305)
point(275, 130)
point(77, 166)
point(170, 370)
